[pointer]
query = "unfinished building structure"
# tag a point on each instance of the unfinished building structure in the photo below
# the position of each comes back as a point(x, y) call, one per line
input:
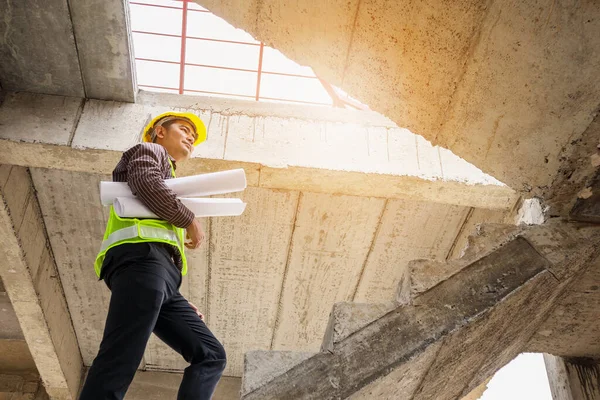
point(346, 277)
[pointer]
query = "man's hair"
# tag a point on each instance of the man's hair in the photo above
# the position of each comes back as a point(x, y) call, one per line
point(165, 125)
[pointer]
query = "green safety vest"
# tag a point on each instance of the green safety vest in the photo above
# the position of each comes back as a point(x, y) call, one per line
point(133, 230)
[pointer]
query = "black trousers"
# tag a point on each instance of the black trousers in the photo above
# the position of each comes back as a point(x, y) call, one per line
point(145, 298)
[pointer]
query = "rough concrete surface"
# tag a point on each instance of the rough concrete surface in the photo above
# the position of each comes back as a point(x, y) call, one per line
point(476, 217)
point(30, 278)
point(420, 275)
point(15, 357)
point(503, 85)
point(568, 331)
point(245, 271)
point(474, 349)
point(346, 318)
point(163, 386)
point(245, 281)
point(40, 119)
point(399, 241)
point(37, 48)
point(23, 386)
point(9, 324)
point(262, 366)
point(105, 48)
point(354, 363)
point(324, 266)
point(577, 170)
point(573, 378)
point(289, 148)
point(586, 207)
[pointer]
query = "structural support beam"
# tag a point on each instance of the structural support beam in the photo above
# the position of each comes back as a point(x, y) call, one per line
point(105, 48)
point(291, 148)
point(31, 280)
point(573, 378)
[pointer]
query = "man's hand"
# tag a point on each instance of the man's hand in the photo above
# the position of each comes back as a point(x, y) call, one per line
point(195, 235)
point(197, 311)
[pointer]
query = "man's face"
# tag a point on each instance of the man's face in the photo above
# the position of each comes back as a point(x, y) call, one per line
point(178, 138)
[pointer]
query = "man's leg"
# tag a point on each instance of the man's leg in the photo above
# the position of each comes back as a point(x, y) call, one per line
point(179, 326)
point(137, 295)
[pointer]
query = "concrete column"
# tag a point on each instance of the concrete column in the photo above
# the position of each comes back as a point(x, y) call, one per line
point(573, 378)
point(31, 279)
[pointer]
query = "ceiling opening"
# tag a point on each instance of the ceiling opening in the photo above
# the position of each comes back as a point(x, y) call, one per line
point(181, 47)
point(524, 378)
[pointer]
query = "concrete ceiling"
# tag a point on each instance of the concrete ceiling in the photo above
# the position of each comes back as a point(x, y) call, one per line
point(267, 279)
point(310, 236)
point(505, 85)
point(69, 48)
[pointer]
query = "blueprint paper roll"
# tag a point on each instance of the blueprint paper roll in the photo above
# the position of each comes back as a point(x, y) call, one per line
point(190, 186)
point(130, 207)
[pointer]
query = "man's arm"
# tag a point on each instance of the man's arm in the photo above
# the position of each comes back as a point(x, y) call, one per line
point(145, 178)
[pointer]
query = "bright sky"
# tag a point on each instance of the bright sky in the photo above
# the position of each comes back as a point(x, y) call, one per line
point(524, 378)
point(151, 19)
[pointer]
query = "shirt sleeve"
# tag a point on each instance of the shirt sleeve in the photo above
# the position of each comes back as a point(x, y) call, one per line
point(145, 178)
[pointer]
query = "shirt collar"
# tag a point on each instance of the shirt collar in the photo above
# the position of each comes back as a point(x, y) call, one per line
point(173, 162)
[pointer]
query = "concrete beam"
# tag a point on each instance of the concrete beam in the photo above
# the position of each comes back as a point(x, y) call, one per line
point(31, 280)
point(105, 48)
point(573, 378)
point(37, 48)
point(288, 148)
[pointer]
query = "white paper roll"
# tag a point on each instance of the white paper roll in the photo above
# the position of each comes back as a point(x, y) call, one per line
point(190, 186)
point(130, 207)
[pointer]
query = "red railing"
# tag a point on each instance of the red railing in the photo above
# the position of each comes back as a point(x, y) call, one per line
point(337, 100)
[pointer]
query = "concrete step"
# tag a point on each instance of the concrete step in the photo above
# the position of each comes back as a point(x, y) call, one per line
point(261, 366)
point(469, 316)
point(346, 318)
point(487, 237)
point(421, 275)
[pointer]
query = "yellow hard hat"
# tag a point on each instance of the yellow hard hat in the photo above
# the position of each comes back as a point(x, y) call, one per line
point(189, 117)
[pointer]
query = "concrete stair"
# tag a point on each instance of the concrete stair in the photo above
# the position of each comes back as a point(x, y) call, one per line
point(451, 327)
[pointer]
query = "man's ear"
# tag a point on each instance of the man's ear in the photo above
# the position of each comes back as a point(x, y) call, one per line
point(160, 132)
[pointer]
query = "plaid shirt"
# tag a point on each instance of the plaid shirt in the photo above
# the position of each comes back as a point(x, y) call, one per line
point(145, 167)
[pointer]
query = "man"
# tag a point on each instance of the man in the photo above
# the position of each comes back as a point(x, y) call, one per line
point(142, 262)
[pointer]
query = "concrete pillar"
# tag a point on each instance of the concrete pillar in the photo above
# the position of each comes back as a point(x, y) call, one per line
point(31, 280)
point(573, 378)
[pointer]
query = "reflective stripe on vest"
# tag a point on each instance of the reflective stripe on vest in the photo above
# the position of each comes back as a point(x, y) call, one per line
point(133, 230)
point(139, 230)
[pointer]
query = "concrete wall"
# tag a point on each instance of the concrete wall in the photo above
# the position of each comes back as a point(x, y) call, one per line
point(573, 378)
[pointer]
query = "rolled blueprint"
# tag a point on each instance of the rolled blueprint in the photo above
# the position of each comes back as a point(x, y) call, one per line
point(129, 207)
point(189, 186)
